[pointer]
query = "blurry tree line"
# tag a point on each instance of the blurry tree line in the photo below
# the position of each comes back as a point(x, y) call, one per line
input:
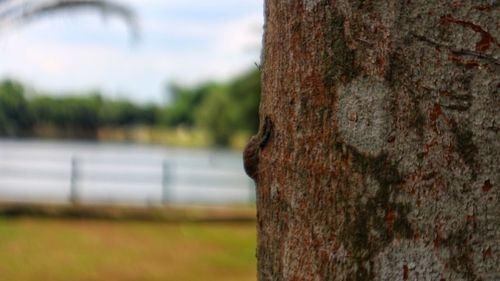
point(221, 109)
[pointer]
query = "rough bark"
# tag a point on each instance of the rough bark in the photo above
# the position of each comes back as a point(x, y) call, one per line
point(383, 160)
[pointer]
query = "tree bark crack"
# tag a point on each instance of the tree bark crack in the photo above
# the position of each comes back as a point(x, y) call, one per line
point(456, 51)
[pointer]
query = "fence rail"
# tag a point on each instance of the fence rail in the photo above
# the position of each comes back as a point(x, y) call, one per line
point(123, 180)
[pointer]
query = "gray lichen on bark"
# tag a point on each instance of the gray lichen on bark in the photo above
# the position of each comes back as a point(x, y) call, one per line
point(363, 114)
point(310, 4)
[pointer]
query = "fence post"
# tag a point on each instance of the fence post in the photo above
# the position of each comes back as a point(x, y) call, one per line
point(73, 196)
point(166, 181)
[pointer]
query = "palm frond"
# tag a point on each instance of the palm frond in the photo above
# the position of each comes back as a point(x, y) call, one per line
point(23, 11)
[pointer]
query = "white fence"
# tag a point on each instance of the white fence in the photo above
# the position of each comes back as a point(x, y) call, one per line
point(123, 178)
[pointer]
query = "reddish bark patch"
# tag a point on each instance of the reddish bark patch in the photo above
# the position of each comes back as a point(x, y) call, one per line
point(435, 112)
point(437, 239)
point(487, 253)
point(405, 272)
point(472, 221)
point(487, 186)
point(486, 38)
point(391, 139)
point(486, 8)
point(416, 236)
point(456, 4)
point(352, 116)
point(390, 218)
point(467, 63)
point(436, 242)
point(381, 64)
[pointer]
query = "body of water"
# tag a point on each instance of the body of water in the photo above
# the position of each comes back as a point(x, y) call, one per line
point(90, 172)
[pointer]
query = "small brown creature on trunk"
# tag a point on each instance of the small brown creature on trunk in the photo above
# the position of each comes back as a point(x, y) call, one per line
point(253, 148)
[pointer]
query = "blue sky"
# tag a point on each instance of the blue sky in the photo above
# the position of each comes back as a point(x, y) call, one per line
point(184, 41)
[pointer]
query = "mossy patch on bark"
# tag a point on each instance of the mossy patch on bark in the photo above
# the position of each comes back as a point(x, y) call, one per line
point(339, 62)
point(377, 219)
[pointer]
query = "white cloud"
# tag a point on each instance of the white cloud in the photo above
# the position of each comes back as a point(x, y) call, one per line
point(217, 49)
point(239, 36)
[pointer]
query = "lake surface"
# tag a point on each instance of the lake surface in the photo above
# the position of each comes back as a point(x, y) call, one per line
point(91, 172)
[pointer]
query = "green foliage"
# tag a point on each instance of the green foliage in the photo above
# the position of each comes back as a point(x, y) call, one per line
point(231, 108)
point(180, 112)
point(15, 118)
point(79, 112)
point(217, 114)
point(89, 112)
point(84, 113)
point(245, 91)
point(223, 110)
point(123, 113)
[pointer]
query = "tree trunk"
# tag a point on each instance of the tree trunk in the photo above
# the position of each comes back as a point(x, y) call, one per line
point(382, 161)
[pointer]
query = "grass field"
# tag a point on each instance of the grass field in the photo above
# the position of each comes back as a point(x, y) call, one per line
point(56, 249)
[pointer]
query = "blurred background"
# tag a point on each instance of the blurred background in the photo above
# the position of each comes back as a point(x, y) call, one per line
point(121, 129)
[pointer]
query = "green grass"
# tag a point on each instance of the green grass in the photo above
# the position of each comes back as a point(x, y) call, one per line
point(60, 249)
